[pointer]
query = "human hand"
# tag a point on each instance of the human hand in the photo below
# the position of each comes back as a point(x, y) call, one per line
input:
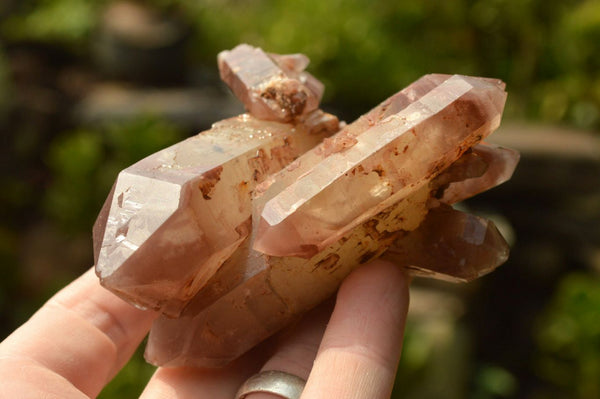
point(77, 342)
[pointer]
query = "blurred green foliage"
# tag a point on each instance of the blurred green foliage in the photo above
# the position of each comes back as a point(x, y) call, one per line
point(65, 22)
point(547, 51)
point(568, 338)
point(494, 382)
point(433, 363)
point(542, 49)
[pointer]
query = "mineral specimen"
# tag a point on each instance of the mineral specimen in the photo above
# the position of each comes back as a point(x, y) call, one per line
point(235, 232)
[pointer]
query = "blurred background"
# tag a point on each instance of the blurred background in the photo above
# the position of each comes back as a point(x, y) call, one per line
point(89, 87)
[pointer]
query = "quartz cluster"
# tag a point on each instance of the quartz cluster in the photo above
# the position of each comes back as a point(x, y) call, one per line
point(235, 232)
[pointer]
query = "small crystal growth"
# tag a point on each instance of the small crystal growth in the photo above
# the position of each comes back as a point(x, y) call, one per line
point(450, 245)
point(272, 87)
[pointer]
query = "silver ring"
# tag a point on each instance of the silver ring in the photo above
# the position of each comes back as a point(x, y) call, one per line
point(285, 385)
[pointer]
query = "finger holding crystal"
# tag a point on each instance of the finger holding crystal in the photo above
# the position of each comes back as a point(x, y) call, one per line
point(361, 346)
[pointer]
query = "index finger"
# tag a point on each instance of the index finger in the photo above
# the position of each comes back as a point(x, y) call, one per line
point(79, 339)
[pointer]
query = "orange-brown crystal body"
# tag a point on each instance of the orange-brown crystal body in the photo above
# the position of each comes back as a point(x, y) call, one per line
point(174, 217)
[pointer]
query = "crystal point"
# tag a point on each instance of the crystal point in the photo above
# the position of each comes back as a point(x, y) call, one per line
point(450, 245)
point(177, 215)
point(500, 165)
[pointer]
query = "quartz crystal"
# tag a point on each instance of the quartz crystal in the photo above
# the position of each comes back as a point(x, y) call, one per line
point(272, 87)
point(236, 232)
point(344, 139)
point(500, 164)
point(177, 215)
point(387, 162)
